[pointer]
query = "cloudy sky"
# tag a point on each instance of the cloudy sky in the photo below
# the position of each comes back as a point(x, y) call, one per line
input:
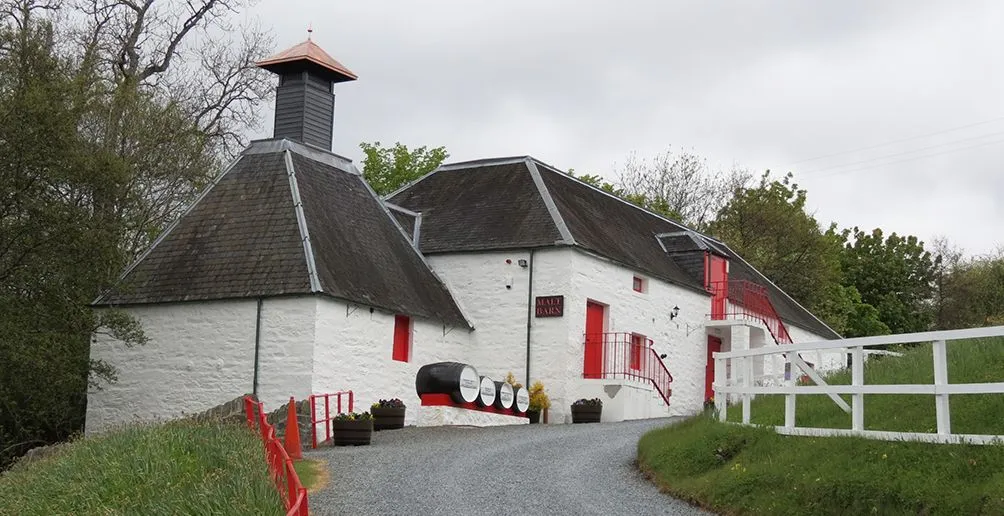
point(890, 114)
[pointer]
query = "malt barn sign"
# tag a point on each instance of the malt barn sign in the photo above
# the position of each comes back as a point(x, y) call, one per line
point(550, 306)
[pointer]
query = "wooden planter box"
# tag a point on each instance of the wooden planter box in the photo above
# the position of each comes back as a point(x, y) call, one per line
point(387, 418)
point(586, 414)
point(352, 433)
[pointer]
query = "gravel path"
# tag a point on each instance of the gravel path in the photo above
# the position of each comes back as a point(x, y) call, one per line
point(531, 469)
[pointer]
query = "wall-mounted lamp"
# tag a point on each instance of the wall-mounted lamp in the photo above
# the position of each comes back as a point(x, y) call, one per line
point(522, 263)
point(663, 356)
point(674, 313)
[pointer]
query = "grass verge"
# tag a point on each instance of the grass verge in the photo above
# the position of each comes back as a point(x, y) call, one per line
point(175, 468)
point(749, 470)
point(312, 473)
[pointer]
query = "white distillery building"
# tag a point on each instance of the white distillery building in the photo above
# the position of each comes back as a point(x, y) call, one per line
point(289, 276)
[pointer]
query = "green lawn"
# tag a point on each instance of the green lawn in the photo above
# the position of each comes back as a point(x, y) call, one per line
point(176, 468)
point(311, 473)
point(746, 470)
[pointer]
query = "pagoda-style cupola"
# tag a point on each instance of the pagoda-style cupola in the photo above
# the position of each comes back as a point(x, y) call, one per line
point(305, 98)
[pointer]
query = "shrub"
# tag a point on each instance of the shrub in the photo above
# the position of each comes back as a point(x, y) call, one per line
point(511, 380)
point(538, 398)
point(391, 403)
point(353, 416)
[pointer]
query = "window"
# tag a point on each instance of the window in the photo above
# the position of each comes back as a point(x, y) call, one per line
point(637, 350)
point(639, 284)
point(402, 338)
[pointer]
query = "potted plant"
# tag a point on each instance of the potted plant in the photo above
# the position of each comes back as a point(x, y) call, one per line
point(352, 429)
point(587, 410)
point(539, 402)
point(388, 414)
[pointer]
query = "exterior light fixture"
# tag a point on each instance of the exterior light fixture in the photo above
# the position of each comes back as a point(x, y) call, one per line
point(522, 263)
point(674, 313)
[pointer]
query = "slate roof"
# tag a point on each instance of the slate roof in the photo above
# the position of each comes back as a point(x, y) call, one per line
point(521, 202)
point(245, 237)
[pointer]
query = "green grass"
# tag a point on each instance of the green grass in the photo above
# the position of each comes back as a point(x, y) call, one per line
point(311, 473)
point(177, 468)
point(749, 470)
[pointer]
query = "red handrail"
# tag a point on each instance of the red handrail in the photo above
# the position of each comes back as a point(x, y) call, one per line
point(280, 466)
point(327, 413)
point(628, 356)
point(748, 300)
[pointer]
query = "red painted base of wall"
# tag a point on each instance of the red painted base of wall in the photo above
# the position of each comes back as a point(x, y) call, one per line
point(444, 400)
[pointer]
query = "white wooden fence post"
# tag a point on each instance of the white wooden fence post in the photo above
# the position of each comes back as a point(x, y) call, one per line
point(857, 378)
point(747, 383)
point(721, 401)
point(789, 400)
point(942, 411)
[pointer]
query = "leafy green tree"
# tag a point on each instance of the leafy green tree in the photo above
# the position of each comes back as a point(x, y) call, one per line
point(894, 274)
point(969, 291)
point(769, 227)
point(388, 168)
point(106, 131)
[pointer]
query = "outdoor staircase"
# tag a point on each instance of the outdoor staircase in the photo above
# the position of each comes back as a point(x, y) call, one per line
point(749, 301)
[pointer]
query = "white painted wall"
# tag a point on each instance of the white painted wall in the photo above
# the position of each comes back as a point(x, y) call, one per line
point(354, 346)
point(648, 313)
point(823, 361)
point(201, 354)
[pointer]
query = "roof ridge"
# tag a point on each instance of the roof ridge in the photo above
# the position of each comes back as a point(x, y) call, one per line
point(170, 227)
point(552, 209)
point(301, 222)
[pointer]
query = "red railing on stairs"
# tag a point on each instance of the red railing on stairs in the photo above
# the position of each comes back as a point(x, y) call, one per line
point(627, 356)
point(750, 301)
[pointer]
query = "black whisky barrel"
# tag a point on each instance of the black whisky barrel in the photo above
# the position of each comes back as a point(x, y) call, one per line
point(521, 400)
point(504, 397)
point(487, 395)
point(460, 381)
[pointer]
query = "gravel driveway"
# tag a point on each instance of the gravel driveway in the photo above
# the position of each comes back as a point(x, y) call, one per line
point(531, 469)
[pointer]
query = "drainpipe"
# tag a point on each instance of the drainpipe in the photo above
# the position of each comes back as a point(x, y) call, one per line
point(257, 347)
point(529, 318)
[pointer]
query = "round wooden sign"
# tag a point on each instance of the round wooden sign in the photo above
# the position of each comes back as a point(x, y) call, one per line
point(487, 394)
point(522, 401)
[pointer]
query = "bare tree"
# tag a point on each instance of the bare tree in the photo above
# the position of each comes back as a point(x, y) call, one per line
point(683, 183)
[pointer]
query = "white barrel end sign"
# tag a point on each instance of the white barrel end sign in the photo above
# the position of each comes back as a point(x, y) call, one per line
point(487, 395)
point(469, 384)
point(505, 395)
point(522, 400)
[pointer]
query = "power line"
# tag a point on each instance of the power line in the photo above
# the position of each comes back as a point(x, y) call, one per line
point(959, 128)
point(904, 153)
point(914, 158)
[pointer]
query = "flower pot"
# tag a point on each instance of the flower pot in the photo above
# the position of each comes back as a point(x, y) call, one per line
point(586, 413)
point(352, 433)
point(534, 416)
point(387, 418)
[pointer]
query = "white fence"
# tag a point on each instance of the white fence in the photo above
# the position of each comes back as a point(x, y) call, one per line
point(726, 386)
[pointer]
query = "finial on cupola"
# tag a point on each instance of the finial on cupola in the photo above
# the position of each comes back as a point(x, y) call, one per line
point(305, 98)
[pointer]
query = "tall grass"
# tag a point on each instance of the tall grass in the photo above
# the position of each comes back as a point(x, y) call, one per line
point(176, 468)
point(749, 470)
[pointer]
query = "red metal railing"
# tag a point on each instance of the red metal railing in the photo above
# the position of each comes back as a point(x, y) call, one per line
point(280, 466)
point(327, 413)
point(627, 356)
point(749, 301)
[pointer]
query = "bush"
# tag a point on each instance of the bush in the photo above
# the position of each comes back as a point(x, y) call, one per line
point(538, 398)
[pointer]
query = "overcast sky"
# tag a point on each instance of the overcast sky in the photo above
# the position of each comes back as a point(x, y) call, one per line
point(767, 85)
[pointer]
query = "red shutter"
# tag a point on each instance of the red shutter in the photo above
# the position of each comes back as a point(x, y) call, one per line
point(402, 338)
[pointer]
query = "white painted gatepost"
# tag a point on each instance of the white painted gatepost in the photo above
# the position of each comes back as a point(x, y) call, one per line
point(941, 389)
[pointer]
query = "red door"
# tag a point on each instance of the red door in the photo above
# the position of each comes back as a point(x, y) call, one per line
point(714, 345)
point(592, 366)
point(718, 282)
